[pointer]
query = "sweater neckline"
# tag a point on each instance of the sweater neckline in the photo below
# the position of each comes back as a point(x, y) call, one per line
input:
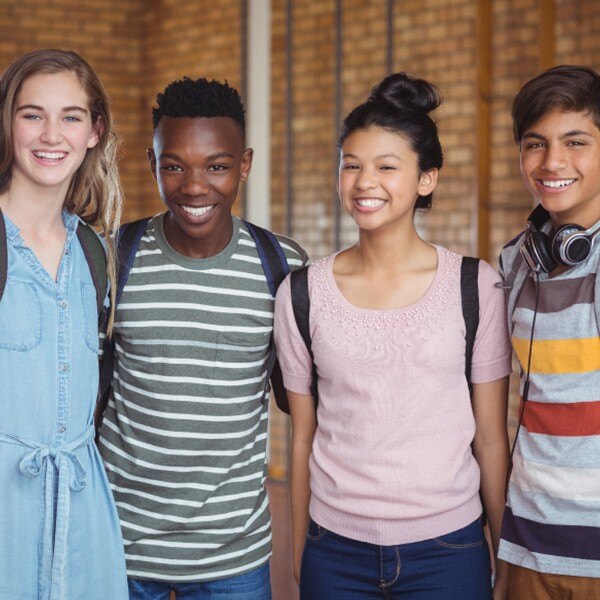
point(426, 298)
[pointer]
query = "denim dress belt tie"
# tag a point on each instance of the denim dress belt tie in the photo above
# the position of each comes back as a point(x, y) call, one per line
point(46, 461)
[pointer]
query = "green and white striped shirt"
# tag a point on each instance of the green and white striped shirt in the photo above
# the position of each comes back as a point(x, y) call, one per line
point(185, 434)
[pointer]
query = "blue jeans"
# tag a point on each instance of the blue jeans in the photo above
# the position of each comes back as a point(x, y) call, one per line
point(455, 566)
point(254, 585)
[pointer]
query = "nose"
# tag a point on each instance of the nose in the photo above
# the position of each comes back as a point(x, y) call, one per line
point(51, 133)
point(365, 179)
point(195, 184)
point(554, 158)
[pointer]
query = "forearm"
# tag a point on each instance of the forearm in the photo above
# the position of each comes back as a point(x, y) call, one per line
point(304, 424)
point(492, 458)
point(300, 499)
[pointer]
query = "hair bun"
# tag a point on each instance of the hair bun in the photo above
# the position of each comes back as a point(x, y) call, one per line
point(407, 93)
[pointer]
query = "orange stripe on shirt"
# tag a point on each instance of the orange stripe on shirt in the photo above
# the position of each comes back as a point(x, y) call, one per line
point(576, 419)
point(555, 357)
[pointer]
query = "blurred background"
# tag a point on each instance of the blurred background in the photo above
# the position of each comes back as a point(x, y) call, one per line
point(301, 65)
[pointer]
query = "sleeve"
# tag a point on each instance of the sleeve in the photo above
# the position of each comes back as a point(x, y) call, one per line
point(294, 359)
point(492, 350)
point(295, 254)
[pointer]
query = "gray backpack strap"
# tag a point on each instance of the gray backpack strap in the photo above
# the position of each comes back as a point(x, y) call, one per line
point(96, 260)
point(3, 255)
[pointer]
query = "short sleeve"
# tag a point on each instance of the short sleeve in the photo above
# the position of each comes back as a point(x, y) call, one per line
point(492, 350)
point(294, 359)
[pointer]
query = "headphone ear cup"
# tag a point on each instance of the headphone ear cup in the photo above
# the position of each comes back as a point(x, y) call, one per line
point(573, 252)
point(540, 248)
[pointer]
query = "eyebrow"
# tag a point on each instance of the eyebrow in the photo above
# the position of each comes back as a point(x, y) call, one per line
point(211, 157)
point(378, 157)
point(41, 108)
point(568, 134)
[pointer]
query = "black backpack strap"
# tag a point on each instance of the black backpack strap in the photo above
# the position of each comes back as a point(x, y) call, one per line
point(128, 242)
point(95, 256)
point(469, 293)
point(3, 255)
point(275, 267)
point(301, 308)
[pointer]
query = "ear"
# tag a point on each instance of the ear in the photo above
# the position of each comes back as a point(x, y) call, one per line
point(152, 160)
point(246, 163)
point(427, 182)
point(96, 132)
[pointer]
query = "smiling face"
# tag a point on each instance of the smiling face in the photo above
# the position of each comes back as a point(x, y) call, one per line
point(379, 178)
point(51, 131)
point(560, 166)
point(198, 163)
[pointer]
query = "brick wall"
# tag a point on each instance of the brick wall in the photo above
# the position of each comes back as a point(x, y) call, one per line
point(139, 46)
point(436, 40)
point(107, 34)
point(194, 39)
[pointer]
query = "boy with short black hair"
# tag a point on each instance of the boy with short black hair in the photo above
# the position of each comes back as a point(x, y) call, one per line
point(551, 529)
point(185, 432)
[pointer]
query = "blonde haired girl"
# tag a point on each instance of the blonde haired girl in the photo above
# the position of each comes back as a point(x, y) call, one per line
point(58, 527)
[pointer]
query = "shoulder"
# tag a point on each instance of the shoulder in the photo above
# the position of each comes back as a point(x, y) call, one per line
point(148, 223)
point(510, 251)
point(487, 276)
point(292, 249)
point(294, 253)
point(86, 233)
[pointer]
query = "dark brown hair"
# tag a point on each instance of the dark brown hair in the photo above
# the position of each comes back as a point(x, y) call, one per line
point(401, 104)
point(566, 87)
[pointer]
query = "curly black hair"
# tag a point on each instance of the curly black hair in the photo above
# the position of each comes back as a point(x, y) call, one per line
point(199, 98)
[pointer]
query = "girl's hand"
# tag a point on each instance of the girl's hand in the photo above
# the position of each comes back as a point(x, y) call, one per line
point(297, 565)
point(500, 591)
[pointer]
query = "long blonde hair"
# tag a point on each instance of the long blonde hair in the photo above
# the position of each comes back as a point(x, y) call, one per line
point(94, 193)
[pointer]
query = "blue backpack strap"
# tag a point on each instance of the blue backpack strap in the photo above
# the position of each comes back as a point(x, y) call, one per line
point(128, 242)
point(275, 267)
point(3, 255)
point(469, 294)
point(272, 256)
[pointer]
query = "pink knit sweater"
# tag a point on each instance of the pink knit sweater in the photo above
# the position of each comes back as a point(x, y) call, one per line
point(391, 460)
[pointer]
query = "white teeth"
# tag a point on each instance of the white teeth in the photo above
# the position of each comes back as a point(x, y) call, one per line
point(557, 184)
point(197, 211)
point(50, 155)
point(370, 203)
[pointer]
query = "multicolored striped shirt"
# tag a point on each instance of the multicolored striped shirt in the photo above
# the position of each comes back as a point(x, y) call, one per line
point(184, 437)
point(552, 519)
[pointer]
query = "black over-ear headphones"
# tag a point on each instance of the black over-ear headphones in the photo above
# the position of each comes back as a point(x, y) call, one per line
point(570, 245)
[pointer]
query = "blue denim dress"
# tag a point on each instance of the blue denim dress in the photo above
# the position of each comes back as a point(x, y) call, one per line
point(59, 532)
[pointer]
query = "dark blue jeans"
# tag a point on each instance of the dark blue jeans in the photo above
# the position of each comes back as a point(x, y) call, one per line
point(254, 585)
point(455, 566)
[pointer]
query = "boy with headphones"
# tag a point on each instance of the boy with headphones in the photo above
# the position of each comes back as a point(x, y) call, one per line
point(551, 529)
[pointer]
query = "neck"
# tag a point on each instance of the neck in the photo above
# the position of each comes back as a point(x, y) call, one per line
point(192, 247)
point(32, 209)
point(392, 249)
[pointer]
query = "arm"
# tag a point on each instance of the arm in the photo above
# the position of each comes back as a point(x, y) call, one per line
point(491, 450)
point(296, 367)
point(304, 424)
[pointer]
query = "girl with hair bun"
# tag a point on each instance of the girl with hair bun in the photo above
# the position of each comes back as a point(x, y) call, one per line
point(60, 536)
point(386, 473)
